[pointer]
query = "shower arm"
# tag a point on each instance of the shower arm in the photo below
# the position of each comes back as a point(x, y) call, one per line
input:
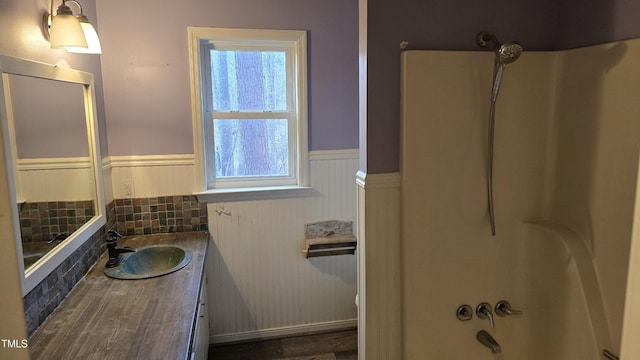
point(483, 39)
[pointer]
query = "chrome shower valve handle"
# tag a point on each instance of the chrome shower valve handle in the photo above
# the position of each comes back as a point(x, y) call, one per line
point(484, 312)
point(503, 308)
point(464, 313)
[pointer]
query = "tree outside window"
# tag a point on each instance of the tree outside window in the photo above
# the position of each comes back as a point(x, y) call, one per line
point(252, 87)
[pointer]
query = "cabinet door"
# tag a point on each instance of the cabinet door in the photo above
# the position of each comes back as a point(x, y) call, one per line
point(201, 339)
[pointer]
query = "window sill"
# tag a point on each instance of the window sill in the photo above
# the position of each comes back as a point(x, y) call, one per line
point(255, 193)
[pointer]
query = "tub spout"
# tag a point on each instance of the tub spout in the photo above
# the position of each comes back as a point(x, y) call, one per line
point(487, 340)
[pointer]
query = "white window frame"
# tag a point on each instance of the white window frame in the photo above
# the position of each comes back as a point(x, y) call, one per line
point(293, 42)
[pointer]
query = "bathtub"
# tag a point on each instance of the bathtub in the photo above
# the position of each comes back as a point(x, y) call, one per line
point(565, 317)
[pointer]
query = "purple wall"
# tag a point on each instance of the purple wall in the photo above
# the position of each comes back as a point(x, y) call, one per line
point(595, 22)
point(21, 36)
point(49, 118)
point(147, 78)
point(452, 25)
point(145, 67)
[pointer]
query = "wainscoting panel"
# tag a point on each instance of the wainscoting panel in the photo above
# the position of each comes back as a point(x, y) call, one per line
point(151, 176)
point(258, 279)
point(379, 285)
point(55, 179)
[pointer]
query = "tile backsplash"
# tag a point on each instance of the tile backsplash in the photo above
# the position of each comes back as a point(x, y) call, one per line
point(40, 302)
point(42, 221)
point(162, 214)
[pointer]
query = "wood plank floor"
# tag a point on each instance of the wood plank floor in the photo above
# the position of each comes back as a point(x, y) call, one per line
point(340, 345)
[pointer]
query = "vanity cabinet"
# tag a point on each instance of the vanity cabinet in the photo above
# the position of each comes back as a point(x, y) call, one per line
point(200, 339)
point(164, 317)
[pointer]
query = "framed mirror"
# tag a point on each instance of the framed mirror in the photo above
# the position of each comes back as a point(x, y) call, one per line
point(49, 132)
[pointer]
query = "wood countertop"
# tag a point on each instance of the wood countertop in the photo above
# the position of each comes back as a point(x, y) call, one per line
point(105, 318)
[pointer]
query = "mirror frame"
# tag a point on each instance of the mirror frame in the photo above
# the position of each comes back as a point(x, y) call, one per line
point(49, 262)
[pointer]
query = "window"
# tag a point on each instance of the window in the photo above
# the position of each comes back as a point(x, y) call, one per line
point(249, 105)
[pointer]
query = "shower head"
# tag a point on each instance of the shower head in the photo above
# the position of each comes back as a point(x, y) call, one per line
point(505, 53)
point(508, 53)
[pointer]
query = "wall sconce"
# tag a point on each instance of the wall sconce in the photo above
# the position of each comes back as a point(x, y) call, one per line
point(69, 32)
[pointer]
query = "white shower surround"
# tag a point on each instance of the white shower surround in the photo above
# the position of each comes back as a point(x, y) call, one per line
point(566, 152)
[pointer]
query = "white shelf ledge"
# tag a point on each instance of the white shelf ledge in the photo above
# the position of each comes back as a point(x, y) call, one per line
point(257, 193)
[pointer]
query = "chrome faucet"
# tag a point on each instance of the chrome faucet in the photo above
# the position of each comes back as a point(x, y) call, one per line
point(487, 340)
point(59, 237)
point(503, 308)
point(484, 312)
point(115, 251)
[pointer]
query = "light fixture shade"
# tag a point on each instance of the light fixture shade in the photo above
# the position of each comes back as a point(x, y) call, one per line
point(66, 32)
point(91, 36)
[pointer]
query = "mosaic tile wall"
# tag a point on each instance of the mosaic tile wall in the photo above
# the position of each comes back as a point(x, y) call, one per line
point(160, 215)
point(111, 215)
point(40, 302)
point(42, 221)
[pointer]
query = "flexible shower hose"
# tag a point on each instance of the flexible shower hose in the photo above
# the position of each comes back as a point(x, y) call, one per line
point(492, 113)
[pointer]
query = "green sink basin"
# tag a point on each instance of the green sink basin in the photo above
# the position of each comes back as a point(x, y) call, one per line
point(150, 261)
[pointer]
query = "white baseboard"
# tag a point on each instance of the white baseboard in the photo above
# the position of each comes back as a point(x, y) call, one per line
point(284, 331)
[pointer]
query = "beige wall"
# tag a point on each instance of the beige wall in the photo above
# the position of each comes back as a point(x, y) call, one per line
point(597, 157)
point(631, 329)
point(12, 319)
point(449, 257)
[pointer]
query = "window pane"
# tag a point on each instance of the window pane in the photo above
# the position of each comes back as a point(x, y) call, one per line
point(249, 80)
point(256, 147)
